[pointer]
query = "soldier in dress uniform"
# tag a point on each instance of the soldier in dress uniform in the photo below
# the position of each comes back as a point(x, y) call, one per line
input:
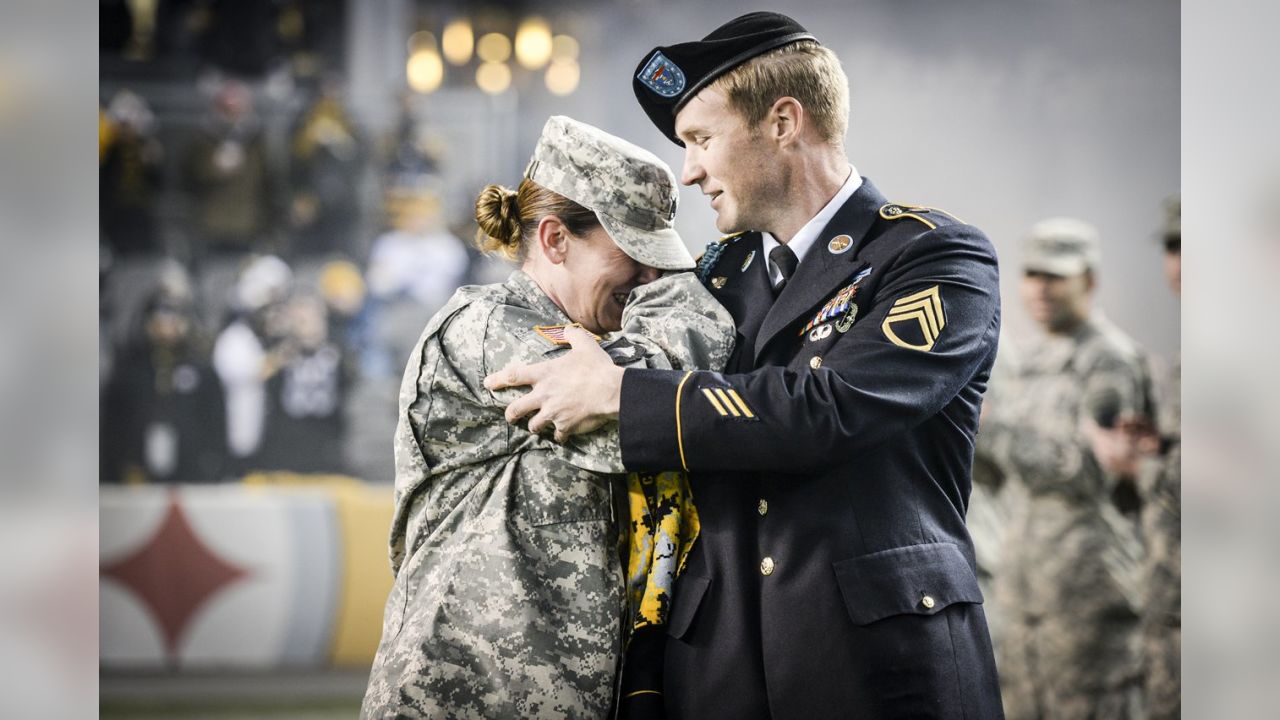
point(510, 551)
point(834, 575)
point(1069, 587)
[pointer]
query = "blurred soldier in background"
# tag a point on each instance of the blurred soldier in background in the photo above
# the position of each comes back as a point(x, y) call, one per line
point(1161, 484)
point(1069, 583)
point(992, 495)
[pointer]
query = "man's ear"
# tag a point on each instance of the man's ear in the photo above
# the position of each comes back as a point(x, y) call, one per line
point(553, 239)
point(786, 120)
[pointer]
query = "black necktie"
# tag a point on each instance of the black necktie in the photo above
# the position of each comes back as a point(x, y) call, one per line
point(786, 260)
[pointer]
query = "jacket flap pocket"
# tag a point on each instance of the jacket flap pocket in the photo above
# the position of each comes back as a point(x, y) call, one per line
point(917, 579)
point(690, 589)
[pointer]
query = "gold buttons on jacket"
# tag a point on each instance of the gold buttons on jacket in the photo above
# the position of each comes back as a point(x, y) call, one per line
point(927, 602)
point(762, 507)
point(766, 566)
point(815, 362)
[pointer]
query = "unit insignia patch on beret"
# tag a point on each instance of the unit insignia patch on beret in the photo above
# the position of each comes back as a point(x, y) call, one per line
point(662, 76)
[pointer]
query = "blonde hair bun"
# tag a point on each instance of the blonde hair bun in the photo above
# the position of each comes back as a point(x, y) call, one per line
point(498, 214)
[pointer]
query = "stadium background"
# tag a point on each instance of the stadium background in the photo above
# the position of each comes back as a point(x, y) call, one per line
point(263, 594)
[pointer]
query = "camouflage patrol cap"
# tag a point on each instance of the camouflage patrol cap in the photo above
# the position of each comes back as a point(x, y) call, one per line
point(631, 191)
point(1062, 246)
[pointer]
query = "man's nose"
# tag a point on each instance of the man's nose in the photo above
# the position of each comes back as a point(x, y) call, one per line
point(691, 172)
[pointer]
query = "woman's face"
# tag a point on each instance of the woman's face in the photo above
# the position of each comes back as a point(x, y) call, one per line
point(598, 278)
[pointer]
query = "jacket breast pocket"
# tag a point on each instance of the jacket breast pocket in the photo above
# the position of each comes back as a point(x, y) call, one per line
point(911, 580)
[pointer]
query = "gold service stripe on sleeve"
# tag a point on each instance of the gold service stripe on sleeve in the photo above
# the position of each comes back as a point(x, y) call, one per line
point(714, 402)
point(738, 399)
point(727, 402)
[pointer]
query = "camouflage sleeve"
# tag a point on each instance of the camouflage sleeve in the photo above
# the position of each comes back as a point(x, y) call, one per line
point(678, 324)
point(437, 375)
point(1118, 389)
point(1043, 453)
point(672, 323)
point(1045, 448)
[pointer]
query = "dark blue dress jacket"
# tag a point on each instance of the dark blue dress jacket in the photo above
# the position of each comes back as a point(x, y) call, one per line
point(831, 467)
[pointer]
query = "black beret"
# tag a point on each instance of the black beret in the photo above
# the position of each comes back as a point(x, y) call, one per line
point(669, 76)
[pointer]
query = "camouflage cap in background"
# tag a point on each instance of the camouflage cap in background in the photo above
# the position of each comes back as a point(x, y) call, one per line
point(632, 192)
point(1062, 246)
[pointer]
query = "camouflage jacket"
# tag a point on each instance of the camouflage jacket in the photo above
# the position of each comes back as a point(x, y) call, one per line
point(1066, 541)
point(1161, 482)
point(508, 548)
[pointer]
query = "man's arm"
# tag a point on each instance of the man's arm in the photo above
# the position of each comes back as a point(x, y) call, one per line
point(869, 386)
point(672, 322)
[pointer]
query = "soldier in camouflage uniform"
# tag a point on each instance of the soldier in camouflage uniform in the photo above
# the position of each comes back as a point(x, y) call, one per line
point(510, 598)
point(1161, 483)
point(993, 496)
point(1069, 582)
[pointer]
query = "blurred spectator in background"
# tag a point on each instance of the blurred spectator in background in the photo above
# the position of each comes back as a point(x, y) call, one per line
point(409, 150)
point(307, 379)
point(228, 178)
point(1161, 484)
point(326, 161)
point(115, 25)
point(368, 402)
point(180, 29)
point(342, 287)
point(240, 354)
point(241, 37)
point(1068, 589)
point(129, 176)
point(162, 415)
point(413, 269)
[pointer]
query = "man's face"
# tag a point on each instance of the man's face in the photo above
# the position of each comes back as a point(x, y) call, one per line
point(600, 276)
point(730, 162)
point(1057, 303)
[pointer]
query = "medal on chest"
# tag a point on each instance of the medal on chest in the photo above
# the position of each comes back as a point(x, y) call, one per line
point(840, 308)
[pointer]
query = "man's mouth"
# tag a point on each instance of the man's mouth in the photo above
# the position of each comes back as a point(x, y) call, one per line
point(621, 297)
